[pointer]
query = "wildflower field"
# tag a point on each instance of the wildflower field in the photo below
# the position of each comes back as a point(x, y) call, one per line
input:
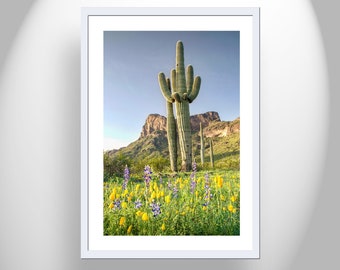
point(200, 203)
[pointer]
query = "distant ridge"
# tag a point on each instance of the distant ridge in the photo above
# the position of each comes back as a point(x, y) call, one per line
point(153, 142)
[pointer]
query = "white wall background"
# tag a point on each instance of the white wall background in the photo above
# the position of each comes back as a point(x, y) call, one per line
point(40, 139)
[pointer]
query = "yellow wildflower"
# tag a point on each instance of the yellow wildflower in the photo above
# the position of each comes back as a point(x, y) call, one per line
point(129, 229)
point(204, 208)
point(124, 204)
point(163, 227)
point(231, 208)
point(153, 195)
point(139, 213)
point(122, 221)
point(233, 198)
point(222, 198)
point(155, 187)
point(145, 217)
point(112, 196)
point(167, 199)
point(111, 205)
point(219, 181)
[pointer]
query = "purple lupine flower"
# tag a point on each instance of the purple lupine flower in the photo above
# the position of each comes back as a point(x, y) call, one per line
point(206, 177)
point(192, 186)
point(175, 192)
point(156, 209)
point(207, 187)
point(147, 175)
point(192, 177)
point(126, 177)
point(138, 204)
point(194, 167)
point(169, 184)
point(117, 204)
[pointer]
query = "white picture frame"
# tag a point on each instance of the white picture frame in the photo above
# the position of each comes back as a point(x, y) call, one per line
point(94, 22)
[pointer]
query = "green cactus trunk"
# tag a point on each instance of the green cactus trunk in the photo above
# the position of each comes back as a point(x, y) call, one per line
point(184, 90)
point(211, 153)
point(202, 144)
point(172, 136)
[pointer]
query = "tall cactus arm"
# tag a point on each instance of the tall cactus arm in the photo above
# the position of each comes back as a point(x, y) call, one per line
point(180, 71)
point(172, 136)
point(168, 83)
point(164, 87)
point(173, 80)
point(195, 89)
point(190, 78)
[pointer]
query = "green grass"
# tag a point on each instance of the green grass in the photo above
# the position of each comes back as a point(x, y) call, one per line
point(212, 208)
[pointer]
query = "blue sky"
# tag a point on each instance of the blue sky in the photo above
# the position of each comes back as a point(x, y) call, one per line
point(132, 61)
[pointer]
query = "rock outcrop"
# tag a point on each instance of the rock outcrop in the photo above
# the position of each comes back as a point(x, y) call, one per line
point(153, 123)
point(205, 118)
point(157, 122)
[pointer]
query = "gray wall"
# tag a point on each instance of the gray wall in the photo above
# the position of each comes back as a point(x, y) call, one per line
point(39, 155)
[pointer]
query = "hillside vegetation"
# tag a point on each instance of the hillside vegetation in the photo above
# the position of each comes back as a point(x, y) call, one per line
point(152, 147)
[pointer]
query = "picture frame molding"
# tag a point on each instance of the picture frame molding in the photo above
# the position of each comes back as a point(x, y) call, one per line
point(253, 251)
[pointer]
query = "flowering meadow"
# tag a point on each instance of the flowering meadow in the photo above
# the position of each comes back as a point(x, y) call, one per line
point(200, 203)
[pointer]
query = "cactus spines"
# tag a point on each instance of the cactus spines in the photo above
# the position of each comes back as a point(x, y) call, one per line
point(202, 144)
point(211, 153)
point(184, 90)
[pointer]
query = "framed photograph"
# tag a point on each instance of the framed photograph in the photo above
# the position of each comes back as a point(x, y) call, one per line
point(170, 133)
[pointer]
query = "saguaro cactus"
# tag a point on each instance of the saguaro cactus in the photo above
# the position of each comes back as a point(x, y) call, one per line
point(184, 91)
point(202, 144)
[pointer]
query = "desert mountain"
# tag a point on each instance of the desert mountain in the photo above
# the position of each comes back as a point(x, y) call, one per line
point(153, 143)
point(211, 122)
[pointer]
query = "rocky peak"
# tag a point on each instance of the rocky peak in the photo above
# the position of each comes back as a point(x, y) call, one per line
point(156, 122)
point(153, 123)
point(204, 118)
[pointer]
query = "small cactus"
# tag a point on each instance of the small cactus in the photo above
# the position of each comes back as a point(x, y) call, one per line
point(202, 145)
point(211, 153)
